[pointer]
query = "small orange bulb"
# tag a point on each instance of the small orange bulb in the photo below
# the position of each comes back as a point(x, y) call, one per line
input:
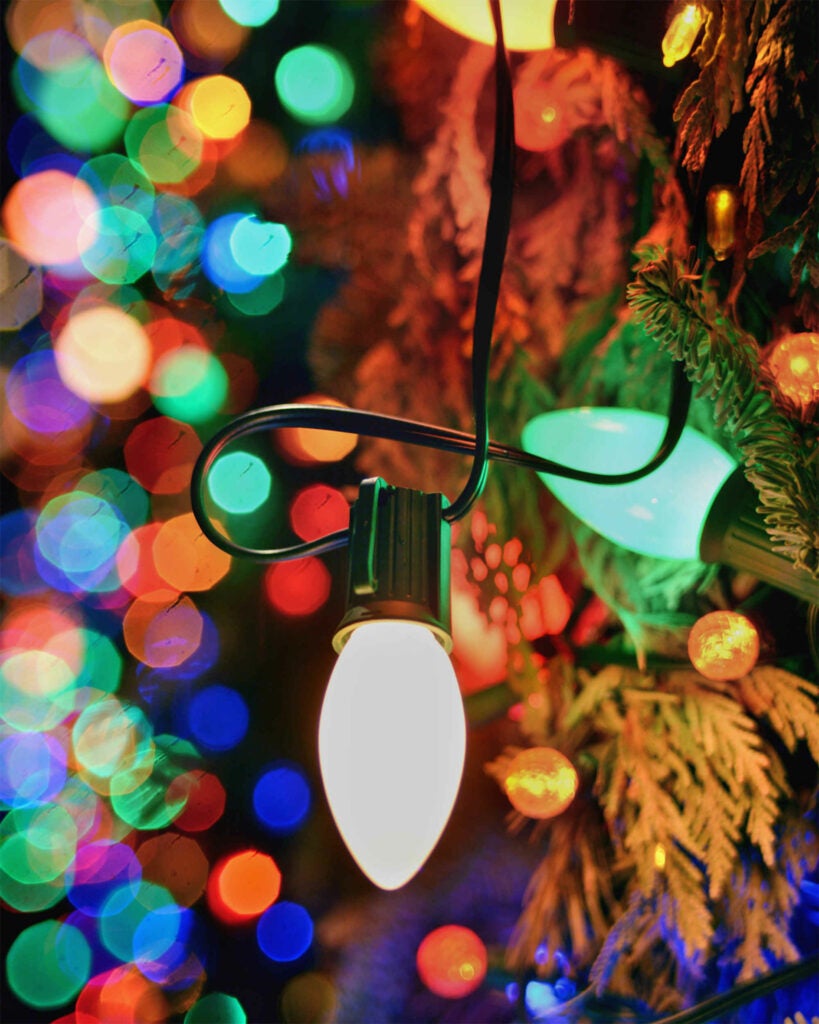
point(723, 645)
point(451, 961)
point(721, 213)
point(243, 886)
point(794, 365)
point(682, 33)
point(541, 782)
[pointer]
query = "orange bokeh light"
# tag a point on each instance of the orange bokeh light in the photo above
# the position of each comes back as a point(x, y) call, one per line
point(205, 31)
point(259, 157)
point(452, 961)
point(135, 561)
point(162, 629)
point(122, 996)
point(243, 885)
point(306, 446)
point(185, 558)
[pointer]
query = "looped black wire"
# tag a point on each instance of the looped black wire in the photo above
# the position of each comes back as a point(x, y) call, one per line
point(498, 219)
point(393, 428)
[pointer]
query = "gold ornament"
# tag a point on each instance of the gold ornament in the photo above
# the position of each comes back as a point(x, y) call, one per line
point(541, 782)
point(723, 645)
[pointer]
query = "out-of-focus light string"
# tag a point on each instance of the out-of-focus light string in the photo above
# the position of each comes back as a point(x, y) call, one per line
point(108, 781)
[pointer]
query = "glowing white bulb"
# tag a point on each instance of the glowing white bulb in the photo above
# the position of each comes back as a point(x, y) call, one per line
point(392, 738)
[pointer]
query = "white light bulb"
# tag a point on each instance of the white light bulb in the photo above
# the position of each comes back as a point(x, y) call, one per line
point(392, 738)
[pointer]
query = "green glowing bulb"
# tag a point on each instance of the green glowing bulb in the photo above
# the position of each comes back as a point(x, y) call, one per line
point(661, 514)
point(239, 482)
point(314, 84)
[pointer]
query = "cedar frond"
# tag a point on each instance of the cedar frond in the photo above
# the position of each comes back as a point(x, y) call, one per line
point(667, 298)
point(787, 701)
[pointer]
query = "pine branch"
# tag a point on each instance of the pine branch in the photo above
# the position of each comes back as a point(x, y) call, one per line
point(668, 299)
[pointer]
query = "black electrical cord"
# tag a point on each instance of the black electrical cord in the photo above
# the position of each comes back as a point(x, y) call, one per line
point(715, 1008)
point(478, 444)
point(501, 189)
point(393, 428)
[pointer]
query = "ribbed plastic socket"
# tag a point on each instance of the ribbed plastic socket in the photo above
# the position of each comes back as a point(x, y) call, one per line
point(734, 534)
point(399, 561)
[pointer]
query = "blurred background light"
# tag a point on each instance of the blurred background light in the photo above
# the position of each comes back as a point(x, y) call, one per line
point(205, 31)
point(260, 300)
point(21, 288)
point(122, 246)
point(32, 769)
point(250, 12)
point(259, 157)
point(218, 717)
point(205, 800)
point(79, 534)
point(243, 885)
point(101, 867)
point(281, 797)
point(314, 84)
point(119, 182)
point(309, 996)
point(332, 161)
point(297, 587)
point(260, 247)
point(39, 398)
point(165, 142)
point(219, 106)
point(61, 81)
point(239, 482)
point(103, 354)
point(177, 863)
point(216, 1006)
point(48, 963)
point(284, 931)
point(162, 629)
point(306, 446)
point(185, 558)
point(317, 510)
point(189, 384)
point(159, 800)
point(143, 61)
point(451, 961)
point(43, 215)
point(218, 260)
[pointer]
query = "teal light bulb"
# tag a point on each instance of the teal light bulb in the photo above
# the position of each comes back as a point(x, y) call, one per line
point(661, 514)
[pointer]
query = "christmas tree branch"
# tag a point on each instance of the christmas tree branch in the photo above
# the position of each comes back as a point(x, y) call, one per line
point(668, 298)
